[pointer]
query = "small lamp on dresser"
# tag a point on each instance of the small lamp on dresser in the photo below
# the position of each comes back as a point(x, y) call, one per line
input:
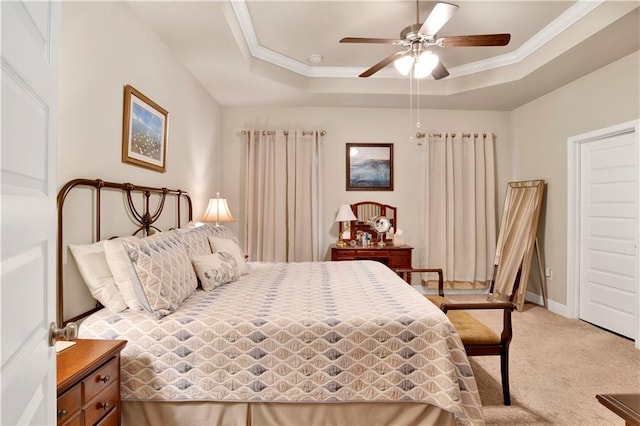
point(217, 211)
point(345, 214)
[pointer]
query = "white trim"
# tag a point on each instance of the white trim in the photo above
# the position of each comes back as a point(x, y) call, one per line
point(573, 14)
point(552, 306)
point(573, 210)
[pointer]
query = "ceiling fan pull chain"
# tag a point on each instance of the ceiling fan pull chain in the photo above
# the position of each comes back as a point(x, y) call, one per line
point(410, 104)
point(418, 124)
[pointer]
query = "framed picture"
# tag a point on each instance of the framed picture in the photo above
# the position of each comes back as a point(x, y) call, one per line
point(369, 166)
point(144, 131)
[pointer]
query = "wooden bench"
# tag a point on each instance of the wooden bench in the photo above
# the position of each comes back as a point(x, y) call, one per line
point(477, 338)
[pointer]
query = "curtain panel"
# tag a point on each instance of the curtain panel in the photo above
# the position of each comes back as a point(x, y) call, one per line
point(282, 192)
point(460, 212)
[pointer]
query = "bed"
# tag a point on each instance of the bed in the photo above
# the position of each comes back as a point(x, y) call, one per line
point(283, 343)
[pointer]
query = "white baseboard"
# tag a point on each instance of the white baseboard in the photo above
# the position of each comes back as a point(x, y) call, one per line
point(554, 307)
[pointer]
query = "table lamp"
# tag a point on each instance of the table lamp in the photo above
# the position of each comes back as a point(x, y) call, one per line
point(345, 214)
point(217, 211)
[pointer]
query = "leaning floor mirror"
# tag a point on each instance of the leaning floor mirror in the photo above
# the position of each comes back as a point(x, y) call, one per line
point(516, 240)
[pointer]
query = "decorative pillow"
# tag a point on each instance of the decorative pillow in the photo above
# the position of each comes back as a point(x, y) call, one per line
point(123, 273)
point(216, 269)
point(230, 246)
point(219, 231)
point(195, 241)
point(93, 267)
point(166, 276)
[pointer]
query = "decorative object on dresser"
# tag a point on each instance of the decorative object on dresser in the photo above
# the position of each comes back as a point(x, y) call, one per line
point(144, 131)
point(381, 225)
point(217, 211)
point(88, 383)
point(365, 212)
point(344, 217)
point(369, 166)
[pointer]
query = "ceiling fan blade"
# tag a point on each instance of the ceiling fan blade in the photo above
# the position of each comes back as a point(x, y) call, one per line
point(370, 40)
point(439, 16)
point(439, 72)
point(383, 63)
point(475, 40)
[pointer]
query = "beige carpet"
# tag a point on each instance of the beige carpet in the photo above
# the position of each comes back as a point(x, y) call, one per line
point(557, 366)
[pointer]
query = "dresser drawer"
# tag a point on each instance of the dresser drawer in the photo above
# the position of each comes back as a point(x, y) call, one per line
point(102, 404)
point(400, 262)
point(112, 419)
point(69, 403)
point(95, 382)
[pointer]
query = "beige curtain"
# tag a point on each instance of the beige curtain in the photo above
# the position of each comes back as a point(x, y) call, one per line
point(282, 191)
point(460, 216)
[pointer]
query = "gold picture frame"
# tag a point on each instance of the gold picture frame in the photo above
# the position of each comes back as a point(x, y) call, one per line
point(144, 131)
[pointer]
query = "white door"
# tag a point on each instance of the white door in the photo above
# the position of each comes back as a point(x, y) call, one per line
point(30, 35)
point(608, 233)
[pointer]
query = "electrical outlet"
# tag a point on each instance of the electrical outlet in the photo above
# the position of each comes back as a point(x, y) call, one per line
point(548, 273)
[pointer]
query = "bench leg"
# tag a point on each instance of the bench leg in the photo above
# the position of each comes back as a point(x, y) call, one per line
point(504, 369)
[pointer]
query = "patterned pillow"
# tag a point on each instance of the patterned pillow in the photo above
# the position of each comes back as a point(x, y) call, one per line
point(165, 274)
point(230, 246)
point(216, 269)
point(195, 241)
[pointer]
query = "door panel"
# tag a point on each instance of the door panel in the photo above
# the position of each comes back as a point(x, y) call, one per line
point(28, 192)
point(608, 229)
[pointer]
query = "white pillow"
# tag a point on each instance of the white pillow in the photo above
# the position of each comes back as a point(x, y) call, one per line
point(93, 267)
point(166, 276)
point(215, 269)
point(124, 274)
point(230, 246)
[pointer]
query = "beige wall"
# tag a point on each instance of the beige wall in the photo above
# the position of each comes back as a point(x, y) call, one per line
point(540, 130)
point(360, 125)
point(103, 48)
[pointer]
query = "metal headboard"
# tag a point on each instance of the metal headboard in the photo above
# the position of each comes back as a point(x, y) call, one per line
point(144, 221)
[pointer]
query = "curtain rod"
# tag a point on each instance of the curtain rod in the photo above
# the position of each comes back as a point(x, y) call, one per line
point(421, 135)
point(286, 132)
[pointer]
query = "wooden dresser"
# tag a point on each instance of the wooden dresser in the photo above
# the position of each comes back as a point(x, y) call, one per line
point(88, 383)
point(393, 256)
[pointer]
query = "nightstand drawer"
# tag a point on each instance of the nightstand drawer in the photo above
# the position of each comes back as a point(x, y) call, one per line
point(88, 374)
point(100, 379)
point(69, 403)
point(102, 404)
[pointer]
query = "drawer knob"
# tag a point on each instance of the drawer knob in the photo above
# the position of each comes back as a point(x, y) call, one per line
point(105, 405)
point(62, 413)
point(104, 379)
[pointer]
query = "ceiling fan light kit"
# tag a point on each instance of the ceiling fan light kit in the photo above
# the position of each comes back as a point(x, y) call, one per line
point(418, 38)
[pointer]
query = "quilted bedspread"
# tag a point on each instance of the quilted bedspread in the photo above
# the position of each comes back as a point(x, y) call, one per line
point(297, 332)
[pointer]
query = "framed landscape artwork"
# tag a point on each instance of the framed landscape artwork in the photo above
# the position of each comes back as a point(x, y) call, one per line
point(144, 131)
point(369, 166)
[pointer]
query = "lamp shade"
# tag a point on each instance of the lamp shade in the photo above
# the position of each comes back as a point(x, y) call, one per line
point(425, 63)
point(345, 214)
point(217, 211)
point(404, 64)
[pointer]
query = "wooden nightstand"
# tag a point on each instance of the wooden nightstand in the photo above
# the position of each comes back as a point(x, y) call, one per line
point(88, 383)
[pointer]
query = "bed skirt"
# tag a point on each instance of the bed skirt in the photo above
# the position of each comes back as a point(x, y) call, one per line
point(195, 413)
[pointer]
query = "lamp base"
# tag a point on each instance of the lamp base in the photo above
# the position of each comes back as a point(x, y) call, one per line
point(341, 243)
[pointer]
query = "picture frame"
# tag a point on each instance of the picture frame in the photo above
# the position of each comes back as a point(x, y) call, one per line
point(369, 166)
point(144, 131)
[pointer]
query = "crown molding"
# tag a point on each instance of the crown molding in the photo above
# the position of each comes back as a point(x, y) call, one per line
point(573, 14)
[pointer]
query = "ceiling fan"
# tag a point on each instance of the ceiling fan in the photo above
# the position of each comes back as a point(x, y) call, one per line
point(418, 38)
